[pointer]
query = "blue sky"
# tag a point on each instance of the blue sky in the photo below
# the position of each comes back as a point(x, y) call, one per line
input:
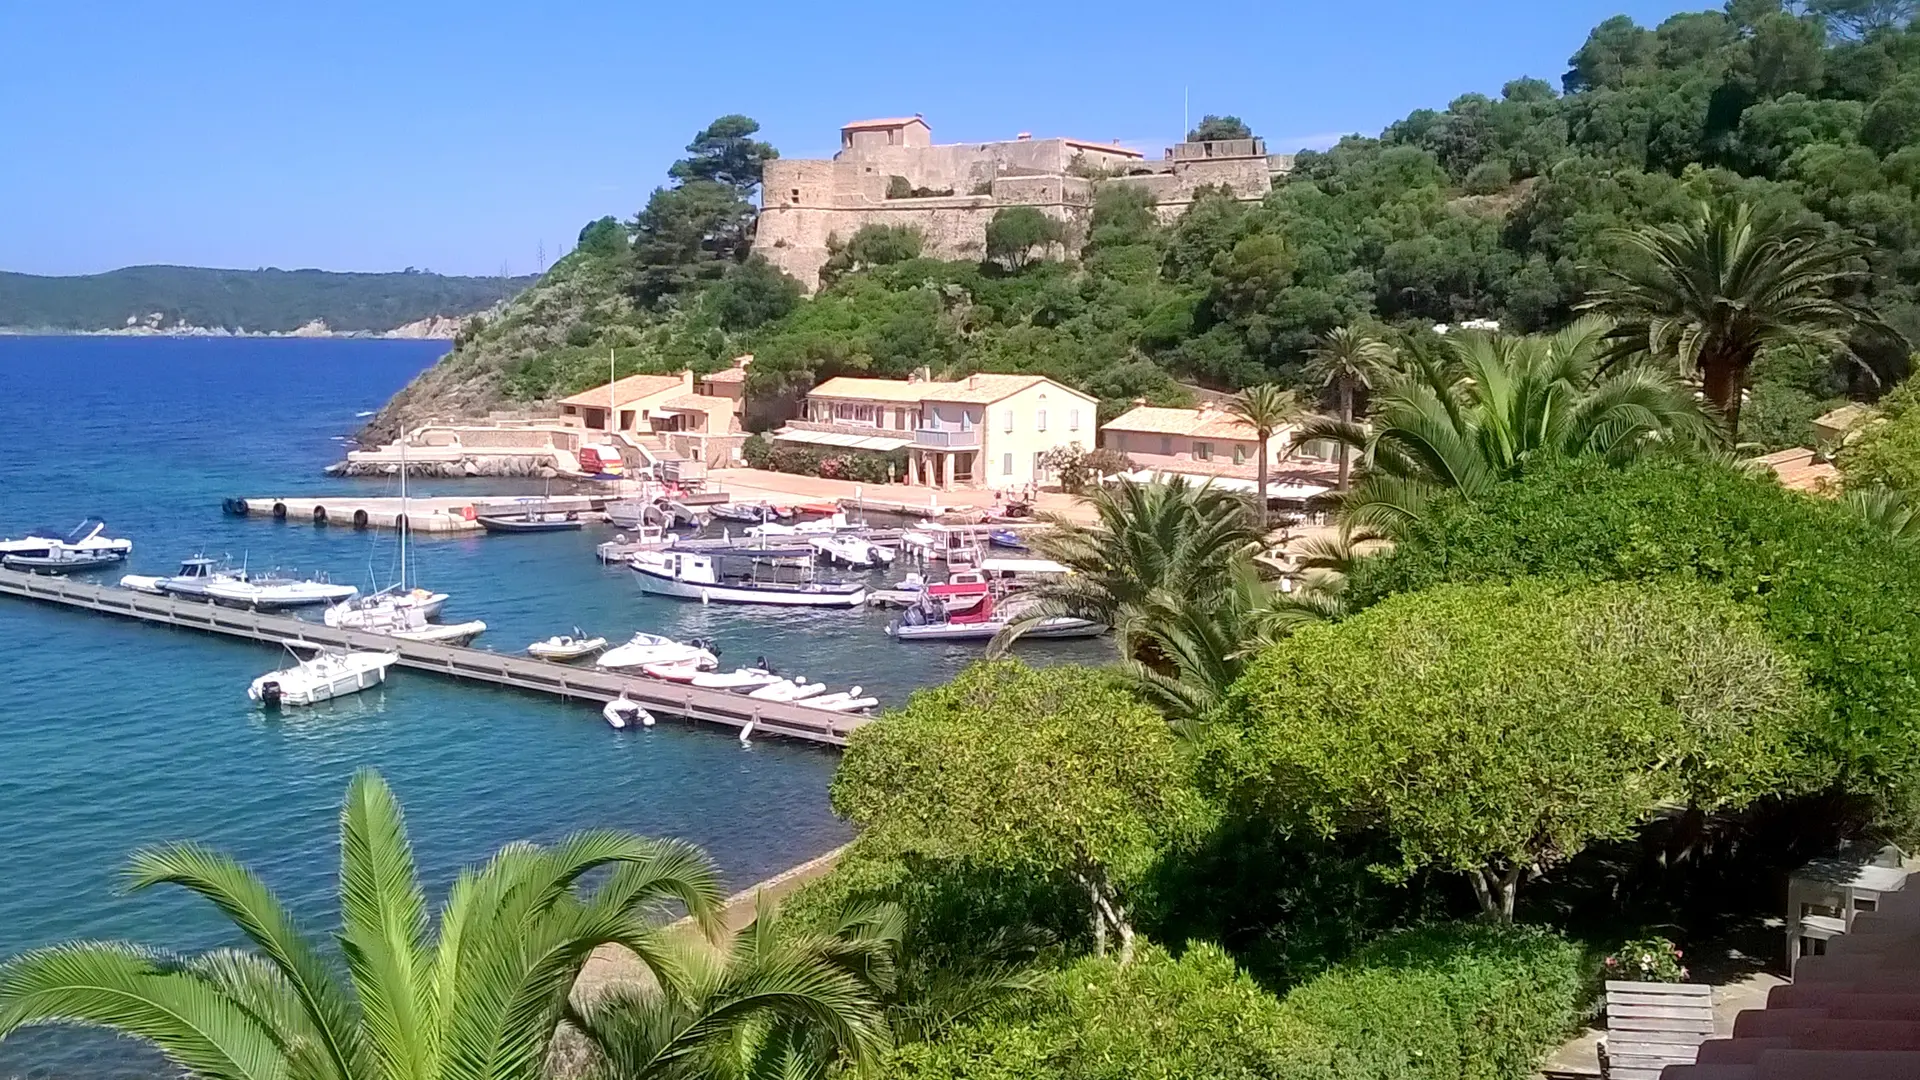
point(460, 137)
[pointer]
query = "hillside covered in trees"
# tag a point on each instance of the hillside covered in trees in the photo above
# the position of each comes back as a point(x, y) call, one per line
point(254, 300)
point(1499, 208)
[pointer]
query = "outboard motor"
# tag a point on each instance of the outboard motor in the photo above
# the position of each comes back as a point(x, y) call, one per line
point(270, 694)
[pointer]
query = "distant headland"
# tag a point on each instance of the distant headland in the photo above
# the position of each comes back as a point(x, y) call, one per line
point(188, 301)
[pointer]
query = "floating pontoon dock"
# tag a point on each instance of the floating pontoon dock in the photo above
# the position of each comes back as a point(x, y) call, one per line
point(475, 665)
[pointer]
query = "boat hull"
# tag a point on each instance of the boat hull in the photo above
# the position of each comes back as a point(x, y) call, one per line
point(310, 684)
point(60, 563)
point(984, 631)
point(508, 525)
point(840, 596)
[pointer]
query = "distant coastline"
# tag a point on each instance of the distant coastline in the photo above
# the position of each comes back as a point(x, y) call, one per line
point(432, 328)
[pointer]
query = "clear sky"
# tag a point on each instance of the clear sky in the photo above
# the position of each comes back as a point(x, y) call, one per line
point(351, 135)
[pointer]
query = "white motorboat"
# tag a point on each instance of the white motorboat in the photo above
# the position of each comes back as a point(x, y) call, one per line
point(146, 583)
point(276, 593)
point(677, 671)
point(933, 620)
point(196, 576)
point(792, 689)
point(737, 679)
point(62, 561)
point(826, 526)
point(850, 550)
point(906, 593)
point(750, 579)
point(325, 676)
point(623, 712)
point(844, 702)
point(564, 647)
point(441, 633)
point(644, 649)
point(83, 540)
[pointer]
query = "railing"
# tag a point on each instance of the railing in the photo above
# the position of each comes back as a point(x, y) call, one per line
point(944, 437)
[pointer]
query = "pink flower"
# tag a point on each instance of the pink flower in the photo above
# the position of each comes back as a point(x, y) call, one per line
point(1611, 962)
point(1677, 954)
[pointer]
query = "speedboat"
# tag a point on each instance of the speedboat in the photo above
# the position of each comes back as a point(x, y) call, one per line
point(851, 550)
point(62, 561)
point(440, 633)
point(196, 577)
point(738, 679)
point(623, 712)
point(644, 648)
point(935, 621)
point(564, 647)
point(276, 593)
point(844, 702)
point(1006, 538)
point(741, 577)
point(85, 539)
point(787, 690)
point(325, 676)
point(386, 609)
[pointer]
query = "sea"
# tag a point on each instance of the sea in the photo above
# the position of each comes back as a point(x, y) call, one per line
point(116, 734)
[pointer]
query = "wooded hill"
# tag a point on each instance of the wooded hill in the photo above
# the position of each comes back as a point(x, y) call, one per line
point(255, 300)
point(1493, 207)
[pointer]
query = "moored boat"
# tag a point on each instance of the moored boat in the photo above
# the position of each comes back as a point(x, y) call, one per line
point(85, 539)
point(743, 577)
point(644, 649)
point(793, 689)
point(62, 561)
point(623, 712)
point(751, 513)
point(440, 633)
point(323, 677)
point(275, 592)
point(935, 621)
point(531, 521)
point(850, 550)
point(847, 701)
point(196, 576)
point(741, 679)
point(564, 647)
point(386, 609)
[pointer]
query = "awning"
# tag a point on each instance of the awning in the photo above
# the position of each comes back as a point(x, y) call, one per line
point(878, 443)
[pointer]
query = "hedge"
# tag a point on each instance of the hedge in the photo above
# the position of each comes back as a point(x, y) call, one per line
point(1450, 1002)
point(864, 466)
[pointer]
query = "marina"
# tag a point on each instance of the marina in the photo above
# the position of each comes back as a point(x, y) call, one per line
point(693, 703)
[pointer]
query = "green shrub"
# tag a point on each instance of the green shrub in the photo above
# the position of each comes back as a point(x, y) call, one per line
point(1839, 596)
point(1886, 452)
point(1458, 1001)
point(861, 466)
point(1648, 959)
point(758, 451)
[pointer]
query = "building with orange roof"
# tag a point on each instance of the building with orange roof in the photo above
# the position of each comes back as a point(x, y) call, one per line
point(1208, 442)
point(986, 430)
point(665, 415)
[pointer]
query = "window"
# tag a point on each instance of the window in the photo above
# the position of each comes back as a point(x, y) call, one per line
point(1009, 419)
point(1006, 465)
point(1040, 420)
point(1239, 454)
point(1073, 419)
point(1166, 446)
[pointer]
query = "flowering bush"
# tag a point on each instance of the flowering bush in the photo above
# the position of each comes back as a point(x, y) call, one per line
point(1648, 959)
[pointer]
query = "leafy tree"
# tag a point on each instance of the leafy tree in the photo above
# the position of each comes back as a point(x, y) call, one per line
point(1886, 451)
point(481, 1000)
point(1348, 359)
point(1219, 129)
point(1837, 596)
point(1614, 50)
point(726, 153)
point(1017, 233)
point(1496, 731)
point(1486, 406)
point(1861, 18)
point(1056, 771)
point(687, 236)
point(1266, 409)
point(1711, 293)
point(779, 1001)
point(1073, 466)
point(603, 238)
point(869, 247)
point(753, 294)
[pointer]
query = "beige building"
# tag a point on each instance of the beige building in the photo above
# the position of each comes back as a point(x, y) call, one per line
point(666, 415)
point(987, 431)
point(1208, 442)
point(890, 172)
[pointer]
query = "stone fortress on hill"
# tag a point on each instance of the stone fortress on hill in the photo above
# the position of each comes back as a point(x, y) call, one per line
point(890, 172)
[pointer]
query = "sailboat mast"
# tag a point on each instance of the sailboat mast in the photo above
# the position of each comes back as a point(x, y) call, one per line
point(403, 513)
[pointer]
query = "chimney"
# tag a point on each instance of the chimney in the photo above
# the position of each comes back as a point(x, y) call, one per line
point(1206, 408)
point(741, 362)
point(973, 382)
point(1139, 403)
point(920, 374)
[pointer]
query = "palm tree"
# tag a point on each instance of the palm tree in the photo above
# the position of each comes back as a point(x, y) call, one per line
point(478, 1001)
point(1265, 409)
point(1347, 360)
point(1495, 404)
point(1714, 291)
point(780, 1001)
point(1149, 541)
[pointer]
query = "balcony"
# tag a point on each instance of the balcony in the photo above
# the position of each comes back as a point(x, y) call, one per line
point(947, 438)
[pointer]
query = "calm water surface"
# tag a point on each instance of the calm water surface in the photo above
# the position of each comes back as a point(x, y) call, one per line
point(114, 734)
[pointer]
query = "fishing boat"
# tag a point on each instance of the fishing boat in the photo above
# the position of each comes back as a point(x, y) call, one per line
point(850, 550)
point(644, 649)
point(935, 621)
point(565, 647)
point(325, 676)
point(276, 592)
point(793, 689)
point(62, 561)
point(623, 712)
point(531, 521)
point(742, 576)
point(84, 539)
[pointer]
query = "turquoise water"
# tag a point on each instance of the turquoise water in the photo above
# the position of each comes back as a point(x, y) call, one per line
point(115, 734)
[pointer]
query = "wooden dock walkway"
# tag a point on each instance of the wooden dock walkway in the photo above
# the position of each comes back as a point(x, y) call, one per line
point(475, 665)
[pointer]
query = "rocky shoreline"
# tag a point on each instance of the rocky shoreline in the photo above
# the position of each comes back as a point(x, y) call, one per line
point(431, 328)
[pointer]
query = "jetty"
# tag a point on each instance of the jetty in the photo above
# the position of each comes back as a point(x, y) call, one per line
point(691, 703)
